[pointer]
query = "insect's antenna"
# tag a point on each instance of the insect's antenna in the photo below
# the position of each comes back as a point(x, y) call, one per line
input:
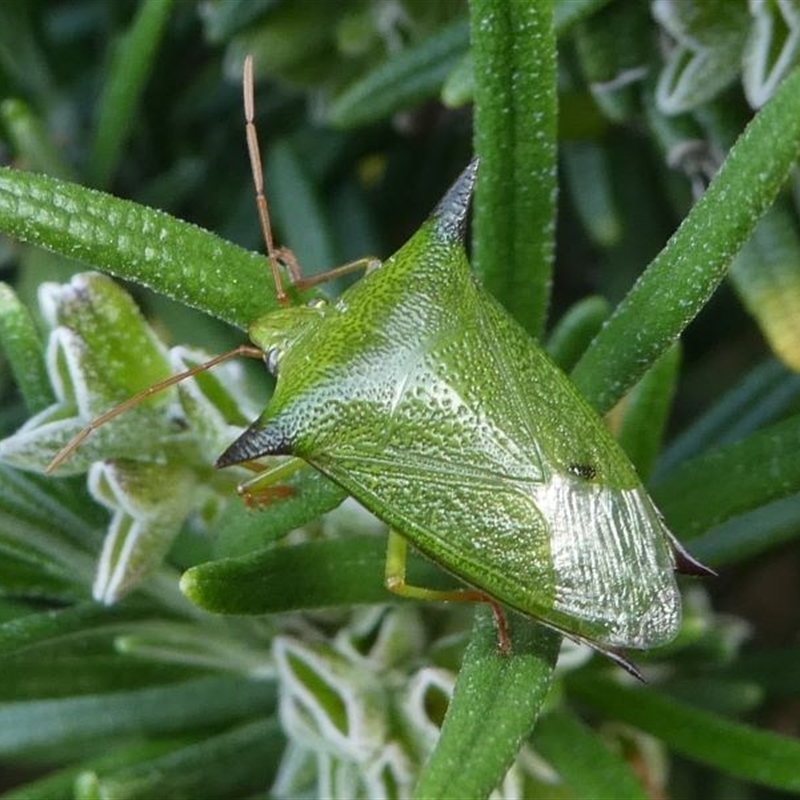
point(65, 452)
point(258, 177)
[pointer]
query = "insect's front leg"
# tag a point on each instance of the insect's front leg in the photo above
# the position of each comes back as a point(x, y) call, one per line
point(396, 558)
point(269, 484)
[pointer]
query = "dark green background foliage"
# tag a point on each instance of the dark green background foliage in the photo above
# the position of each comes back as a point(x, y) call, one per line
point(636, 211)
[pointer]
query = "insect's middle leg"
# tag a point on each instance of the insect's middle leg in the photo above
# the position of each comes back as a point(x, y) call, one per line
point(396, 558)
point(269, 483)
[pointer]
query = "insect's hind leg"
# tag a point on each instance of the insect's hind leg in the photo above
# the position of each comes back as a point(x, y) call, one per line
point(396, 558)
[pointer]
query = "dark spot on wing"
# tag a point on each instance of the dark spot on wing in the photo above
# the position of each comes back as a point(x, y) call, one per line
point(584, 471)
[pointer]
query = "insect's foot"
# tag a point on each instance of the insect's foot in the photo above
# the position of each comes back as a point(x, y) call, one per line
point(501, 625)
point(261, 498)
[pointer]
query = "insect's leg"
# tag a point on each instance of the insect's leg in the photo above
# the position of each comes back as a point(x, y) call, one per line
point(64, 453)
point(269, 484)
point(257, 170)
point(277, 255)
point(396, 557)
point(331, 274)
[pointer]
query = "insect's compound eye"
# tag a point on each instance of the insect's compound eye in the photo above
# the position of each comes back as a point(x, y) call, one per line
point(272, 358)
point(584, 471)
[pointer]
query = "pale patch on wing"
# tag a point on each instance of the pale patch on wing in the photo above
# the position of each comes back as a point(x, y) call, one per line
point(612, 561)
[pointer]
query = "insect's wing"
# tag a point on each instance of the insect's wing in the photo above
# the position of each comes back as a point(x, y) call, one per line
point(612, 556)
point(473, 466)
point(430, 405)
point(472, 444)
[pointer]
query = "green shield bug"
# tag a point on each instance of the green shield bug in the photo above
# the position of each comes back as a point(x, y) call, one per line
point(420, 396)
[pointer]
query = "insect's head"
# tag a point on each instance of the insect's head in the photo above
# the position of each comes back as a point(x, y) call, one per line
point(276, 332)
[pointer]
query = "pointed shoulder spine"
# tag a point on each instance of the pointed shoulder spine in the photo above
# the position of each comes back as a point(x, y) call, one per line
point(450, 215)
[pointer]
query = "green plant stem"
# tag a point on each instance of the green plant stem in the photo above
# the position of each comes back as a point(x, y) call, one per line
point(495, 704)
point(141, 244)
point(683, 276)
point(513, 46)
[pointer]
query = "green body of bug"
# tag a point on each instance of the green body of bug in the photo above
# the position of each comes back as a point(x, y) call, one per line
point(417, 393)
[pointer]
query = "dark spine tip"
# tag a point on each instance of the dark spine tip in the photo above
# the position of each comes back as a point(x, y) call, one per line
point(254, 443)
point(451, 212)
point(687, 564)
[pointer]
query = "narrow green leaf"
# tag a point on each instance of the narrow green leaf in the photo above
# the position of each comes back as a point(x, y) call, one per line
point(750, 534)
point(51, 674)
point(587, 173)
point(29, 726)
point(44, 545)
point(586, 764)
point(58, 506)
point(760, 398)
point(125, 79)
point(515, 131)
point(766, 276)
point(567, 12)
point(459, 87)
point(292, 42)
point(644, 412)
point(25, 351)
point(720, 484)
point(233, 763)
point(443, 61)
point(774, 670)
point(738, 750)
point(683, 276)
point(19, 634)
point(719, 694)
point(297, 210)
point(494, 707)
point(61, 783)
point(23, 57)
point(414, 74)
point(32, 145)
point(573, 332)
point(318, 574)
point(21, 578)
point(141, 244)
